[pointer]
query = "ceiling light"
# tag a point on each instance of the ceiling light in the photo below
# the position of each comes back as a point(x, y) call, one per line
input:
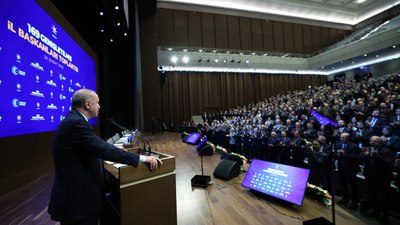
point(200, 50)
point(169, 49)
point(116, 7)
point(125, 34)
point(118, 24)
point(185, 59)
point(101, 13)
point(359, 1)
point(365, 54)
point(247, 61)
point(216, 60)
point(174, 59)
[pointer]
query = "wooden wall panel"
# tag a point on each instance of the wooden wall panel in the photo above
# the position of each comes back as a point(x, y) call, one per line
point(288, 37)
point(324, 37)
point(308, 46)
point(316, 38)
point(257, 35)
point(245, 34)
point(263, 87)
point(333, 38)
point(181, 28)
point(165, 23)
point(195, 31)
point(198, 29)
point(221, 32)
point(278, 36)
point(298, 39)
point(196, 93)
point(208, 30)
point(268, 35)
point(233, 32)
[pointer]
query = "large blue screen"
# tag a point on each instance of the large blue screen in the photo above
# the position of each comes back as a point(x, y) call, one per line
point(41, 66)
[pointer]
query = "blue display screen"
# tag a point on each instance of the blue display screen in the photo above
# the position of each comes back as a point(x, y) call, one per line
point(284, 182)
point(41, 66)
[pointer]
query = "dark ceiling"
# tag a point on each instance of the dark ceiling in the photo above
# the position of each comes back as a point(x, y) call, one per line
point(98, 30)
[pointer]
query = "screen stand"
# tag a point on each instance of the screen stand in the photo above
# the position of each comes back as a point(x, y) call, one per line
point(201, 180)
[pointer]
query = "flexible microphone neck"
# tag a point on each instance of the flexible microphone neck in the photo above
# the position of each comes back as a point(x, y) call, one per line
point(118, 125)
point(145, 141)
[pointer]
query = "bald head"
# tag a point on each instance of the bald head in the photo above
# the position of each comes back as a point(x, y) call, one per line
point(87, 102)
point(81, 96)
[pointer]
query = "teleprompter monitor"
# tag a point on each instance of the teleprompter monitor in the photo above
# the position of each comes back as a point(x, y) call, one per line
point(193, 138)
point(287, 183)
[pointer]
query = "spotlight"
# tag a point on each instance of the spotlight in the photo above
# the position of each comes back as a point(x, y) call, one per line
point(216, 60)
point(200, 59)
point(224, 60)
point(239, 61)
point(208, 59)
point(232, 61)
point(174, 59)
point(247, 61)
point(185, 59)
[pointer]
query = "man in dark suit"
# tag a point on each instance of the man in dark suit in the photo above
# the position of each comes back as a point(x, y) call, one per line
point(318, 162)
point(78, 194)
point(378, 161)
point(348, 155)
point(395, 122)
point(375, 123)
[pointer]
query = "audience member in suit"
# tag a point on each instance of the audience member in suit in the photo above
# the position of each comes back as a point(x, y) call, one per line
point(395, 122)
point(361, 135)
point(341, 128)
point(327, 149)
point(298, 151)
point(310, 133)
point(362, 111)
point(318, 162)
point(390, 141)
point(78, 193)
point(348, 166)
point(272, 151)
point(385, 111)
point(375, 123)
point(378, 166)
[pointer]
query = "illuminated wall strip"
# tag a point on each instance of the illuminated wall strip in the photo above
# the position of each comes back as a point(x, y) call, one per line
point(167, 68)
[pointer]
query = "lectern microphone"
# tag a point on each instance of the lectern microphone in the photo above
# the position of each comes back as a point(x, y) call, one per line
point(118, 125)
point(144, 141)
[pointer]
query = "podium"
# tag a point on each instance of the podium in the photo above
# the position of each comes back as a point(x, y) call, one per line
point(138, 196)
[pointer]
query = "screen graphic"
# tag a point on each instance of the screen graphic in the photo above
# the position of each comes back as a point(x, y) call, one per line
point(40, 68)
point(193, 138)
point(284, 182)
